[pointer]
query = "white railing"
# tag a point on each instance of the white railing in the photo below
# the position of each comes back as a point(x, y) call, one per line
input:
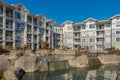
point(9, 38)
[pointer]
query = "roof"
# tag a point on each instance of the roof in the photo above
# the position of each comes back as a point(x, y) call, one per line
point(90, 19)
point(117, 15)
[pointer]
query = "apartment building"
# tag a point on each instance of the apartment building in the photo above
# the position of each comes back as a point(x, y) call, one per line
point(18, 27)
point(92, 33)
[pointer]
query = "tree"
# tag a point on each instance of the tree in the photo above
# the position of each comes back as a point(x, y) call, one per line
point(45, 44)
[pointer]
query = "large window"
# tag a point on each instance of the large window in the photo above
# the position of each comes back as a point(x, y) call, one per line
point(118, 32)
point(70, 27)
point(91, 26)
point(118, 23)
point(108, 25)
point(117, 39)
point(17, 15)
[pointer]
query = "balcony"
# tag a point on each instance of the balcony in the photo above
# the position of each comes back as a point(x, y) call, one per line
point(1, 26)
point(100, 35)
point(77, 42)
point(1, 10)
point(35, 32)
point(9, 27)
point(29, 40)
point(100, 42)
point(9, 38)
point(76, 36)
point(1, 37)
point(29, 19)
point(35, 40)
point(29, 31)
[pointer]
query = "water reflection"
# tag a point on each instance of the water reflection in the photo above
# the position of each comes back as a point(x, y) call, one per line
point(105, 72)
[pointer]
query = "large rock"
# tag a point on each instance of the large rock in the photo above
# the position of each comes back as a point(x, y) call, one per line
point(41, 52)
point(118, 77)
point(4, 64)
point(16, 54)
point(28, 63)
point(14, 74)
point(78, 62)
point(29, 53)
point(109, 59)
point(53, 65)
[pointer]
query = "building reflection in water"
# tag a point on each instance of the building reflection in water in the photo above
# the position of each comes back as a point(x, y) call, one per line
point(105, 72)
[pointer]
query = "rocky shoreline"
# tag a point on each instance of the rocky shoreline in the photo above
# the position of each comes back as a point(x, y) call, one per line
point(14, 65)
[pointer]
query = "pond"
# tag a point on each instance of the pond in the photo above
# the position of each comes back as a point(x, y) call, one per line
point(93, 72)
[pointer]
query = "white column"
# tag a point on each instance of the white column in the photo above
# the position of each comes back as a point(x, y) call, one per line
point(14, 36)
point(25, 31)
point(38, 35)
point(4, 26)
point(32, 45)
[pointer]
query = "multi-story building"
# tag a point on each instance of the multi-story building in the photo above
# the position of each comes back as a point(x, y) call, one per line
point(93, 34)
point(18, 27)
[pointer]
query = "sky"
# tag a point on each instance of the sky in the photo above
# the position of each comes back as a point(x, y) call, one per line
point(73, 10)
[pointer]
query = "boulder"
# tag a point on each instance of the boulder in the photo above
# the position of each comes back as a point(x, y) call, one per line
point(41, 52)
point(4, 64)
point(53, 65)
point(14, 74)
point(16, 54)
point(78, 62)
point(29, 53)
point(109, 58)
point(28, 63)
point(118, 77)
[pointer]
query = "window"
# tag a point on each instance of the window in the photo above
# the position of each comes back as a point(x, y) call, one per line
point(83, 27)
point(108, 25)
point(118, 23)
point(68, 35)
point(117, 32)
point(117, 39)
point(92, 40)
point(19, 9)
point(108, 32)
point(69, 27)
point(91, 26)
point(40, 23)
point(17, 15)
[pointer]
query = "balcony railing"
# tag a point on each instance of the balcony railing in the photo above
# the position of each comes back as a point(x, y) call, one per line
point(29, 40)
point(100, 42)
point(1, 26)
point(9, 27)
point(9, 15)
point(99, 28)
point(100, 35)
point(35, 40)
point(1, 37)
point(29, 21)
point(9, 38)
point(29, 31)
point(76, 36)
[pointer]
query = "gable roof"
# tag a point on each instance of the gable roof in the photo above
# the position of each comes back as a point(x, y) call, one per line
point(90, 19)
point(21, 5)
point(117, 15)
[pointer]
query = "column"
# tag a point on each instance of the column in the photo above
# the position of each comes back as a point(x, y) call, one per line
point(4, 26)
point(14, 36)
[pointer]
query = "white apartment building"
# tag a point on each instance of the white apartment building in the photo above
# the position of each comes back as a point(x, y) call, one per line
point(92, 33)
point(18, 27)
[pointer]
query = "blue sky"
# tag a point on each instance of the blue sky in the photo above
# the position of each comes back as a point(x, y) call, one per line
point(74, 10)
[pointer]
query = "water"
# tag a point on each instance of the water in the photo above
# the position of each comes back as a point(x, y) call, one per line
point(104, 72)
